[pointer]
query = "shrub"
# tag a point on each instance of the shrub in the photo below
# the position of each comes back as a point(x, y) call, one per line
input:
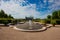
point(5, 22)
point(53, 22)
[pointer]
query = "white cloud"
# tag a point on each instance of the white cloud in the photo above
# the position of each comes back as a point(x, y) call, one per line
point(49, 0)
point(55, 5)
point(15, 8)
point(18, 11)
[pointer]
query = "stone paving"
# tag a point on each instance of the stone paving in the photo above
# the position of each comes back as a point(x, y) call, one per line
point(7, 33)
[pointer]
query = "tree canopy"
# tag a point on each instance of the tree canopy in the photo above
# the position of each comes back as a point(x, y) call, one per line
point(3, 15)
point(54, 17)
point(49, 17)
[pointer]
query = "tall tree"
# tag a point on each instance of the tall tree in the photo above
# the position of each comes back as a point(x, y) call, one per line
point(2, 14)
point(59, 14)
point(49, 17)
point(10, 16)
point(55, 15)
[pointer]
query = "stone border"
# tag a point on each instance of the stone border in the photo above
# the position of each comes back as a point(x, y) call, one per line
point(43, 28)
point(11, 26)
point(48, 26)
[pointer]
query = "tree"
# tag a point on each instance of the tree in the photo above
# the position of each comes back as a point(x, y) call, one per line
point(4, 18)
point(49, 17)
point(10, 16)
point(59, 14)
point(55, 15)
point(54, 18)
point(3, 15)
point(37, 19)
point(53, 22)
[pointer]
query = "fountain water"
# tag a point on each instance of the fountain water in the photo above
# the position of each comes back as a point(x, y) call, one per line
point(30, 26)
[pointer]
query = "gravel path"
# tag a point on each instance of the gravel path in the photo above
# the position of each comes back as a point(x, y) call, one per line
point(7, 33)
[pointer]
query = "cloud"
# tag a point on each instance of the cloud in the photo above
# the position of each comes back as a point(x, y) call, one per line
point(17, 10)
point(54, 6)
point(22, 8)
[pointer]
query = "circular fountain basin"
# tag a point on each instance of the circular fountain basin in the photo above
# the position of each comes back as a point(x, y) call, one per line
point(27, 27)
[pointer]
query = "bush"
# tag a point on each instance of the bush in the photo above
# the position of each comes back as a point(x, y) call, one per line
point(53, 22)
point(5, 22)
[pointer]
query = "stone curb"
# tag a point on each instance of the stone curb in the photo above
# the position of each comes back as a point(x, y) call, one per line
point(49, 26)
point(44, 28)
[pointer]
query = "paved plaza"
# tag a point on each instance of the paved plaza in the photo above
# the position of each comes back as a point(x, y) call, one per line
point(7, 33)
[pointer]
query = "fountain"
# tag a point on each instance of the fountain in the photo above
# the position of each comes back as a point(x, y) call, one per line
point(30, 26)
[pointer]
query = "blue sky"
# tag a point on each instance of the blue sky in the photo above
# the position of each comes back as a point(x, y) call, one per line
point(35, 8)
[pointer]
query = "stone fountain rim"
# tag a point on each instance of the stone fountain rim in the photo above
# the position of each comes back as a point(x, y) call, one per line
point(42, 29)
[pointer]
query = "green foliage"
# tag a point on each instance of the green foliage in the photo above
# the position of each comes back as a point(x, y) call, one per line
point(55, 15)
point(4, 18)
point(54, 18)
point(53, 21)
point(36, 20)
point(59, 13)
point(5, 22)
point(4, 15)
point(10, 16)
point(43, 21)
point(49, 17)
